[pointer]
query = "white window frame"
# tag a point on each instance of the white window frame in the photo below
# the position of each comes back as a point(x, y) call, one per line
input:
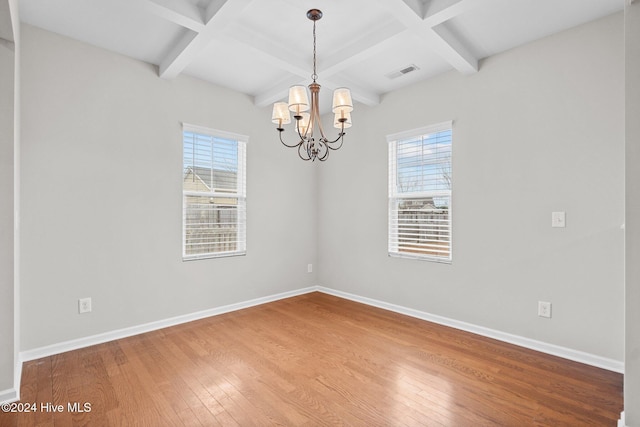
point(395, 197)
point(239, 195)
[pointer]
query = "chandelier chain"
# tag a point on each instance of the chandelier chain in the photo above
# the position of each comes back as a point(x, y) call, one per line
point(314, 76)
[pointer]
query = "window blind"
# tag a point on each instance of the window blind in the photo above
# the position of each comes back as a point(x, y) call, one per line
point(214, 193)
point(420, 193)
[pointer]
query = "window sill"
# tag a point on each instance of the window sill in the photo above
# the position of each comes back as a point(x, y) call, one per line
point(210, 256)
point(420, 257)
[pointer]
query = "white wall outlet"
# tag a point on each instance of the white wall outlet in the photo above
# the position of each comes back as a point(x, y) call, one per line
point(544, 309)
point(309, 268)
point(558, 219)
point(84, 305)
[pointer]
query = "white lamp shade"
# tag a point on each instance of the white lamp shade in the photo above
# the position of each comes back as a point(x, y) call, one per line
point(303, 123)
point(342, 102)
point(347, 123)
point(298, 98)
point(280, 114)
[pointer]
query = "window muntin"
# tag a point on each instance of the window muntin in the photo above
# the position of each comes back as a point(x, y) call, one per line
point(214, 193)
point(420, 193)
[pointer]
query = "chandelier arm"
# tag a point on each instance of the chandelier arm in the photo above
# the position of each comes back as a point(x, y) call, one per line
point(285, 144)
point(322, 147)
point(310, 151)
point(340, 135)
point(306, 159)
point(326, 153)
point(339, 138)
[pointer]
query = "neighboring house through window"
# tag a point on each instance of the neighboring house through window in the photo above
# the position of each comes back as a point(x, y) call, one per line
point(213, 193)
point(420, 193)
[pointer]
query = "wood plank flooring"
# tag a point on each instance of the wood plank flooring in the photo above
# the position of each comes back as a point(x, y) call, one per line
point(315, 360)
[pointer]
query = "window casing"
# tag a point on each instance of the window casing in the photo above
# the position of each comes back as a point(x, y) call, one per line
point(420, 193)
point(213, 193)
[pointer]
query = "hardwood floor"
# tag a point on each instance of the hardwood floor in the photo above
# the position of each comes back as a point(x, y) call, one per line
point(315, 360)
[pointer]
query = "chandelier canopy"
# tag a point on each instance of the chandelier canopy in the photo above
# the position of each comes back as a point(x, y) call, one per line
point(313, 143)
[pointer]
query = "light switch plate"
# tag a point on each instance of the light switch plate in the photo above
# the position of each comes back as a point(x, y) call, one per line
point(557, 219)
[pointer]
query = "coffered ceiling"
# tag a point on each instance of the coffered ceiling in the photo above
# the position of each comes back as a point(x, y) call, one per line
point(261, 47)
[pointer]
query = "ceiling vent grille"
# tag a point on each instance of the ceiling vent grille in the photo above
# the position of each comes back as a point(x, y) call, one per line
point(406, 70)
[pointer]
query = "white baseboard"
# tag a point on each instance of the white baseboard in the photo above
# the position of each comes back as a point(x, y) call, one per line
point(7, 396)
point(62, 347)
point(17, 375)
point(13, 394)
point(621, 422)
point(566, 353)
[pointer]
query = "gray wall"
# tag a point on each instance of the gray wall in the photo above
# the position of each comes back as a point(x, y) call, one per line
point(632, 341)
point(102, 203)
point(539, 129)
point(7, 64)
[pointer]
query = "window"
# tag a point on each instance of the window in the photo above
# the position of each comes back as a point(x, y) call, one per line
point(213, 193)
point(420, 193)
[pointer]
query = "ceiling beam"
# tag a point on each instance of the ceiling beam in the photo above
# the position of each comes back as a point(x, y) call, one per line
point(218, 15)
point(439, 11)
point(447, 45)
point(408, 12)
point(417, 6)
point(182, 54)
point(184, 14)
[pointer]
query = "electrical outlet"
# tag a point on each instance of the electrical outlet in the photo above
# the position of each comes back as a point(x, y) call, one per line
point(558, 219)
point(84, 305)
point(309, 268)
point(544, 309)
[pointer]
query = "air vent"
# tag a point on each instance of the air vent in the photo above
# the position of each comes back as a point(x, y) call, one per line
point(405, 70)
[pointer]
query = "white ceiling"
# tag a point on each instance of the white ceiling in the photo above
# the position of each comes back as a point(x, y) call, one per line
point(261, 47)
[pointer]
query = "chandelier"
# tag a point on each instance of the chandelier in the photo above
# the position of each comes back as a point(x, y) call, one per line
point(313, 143)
